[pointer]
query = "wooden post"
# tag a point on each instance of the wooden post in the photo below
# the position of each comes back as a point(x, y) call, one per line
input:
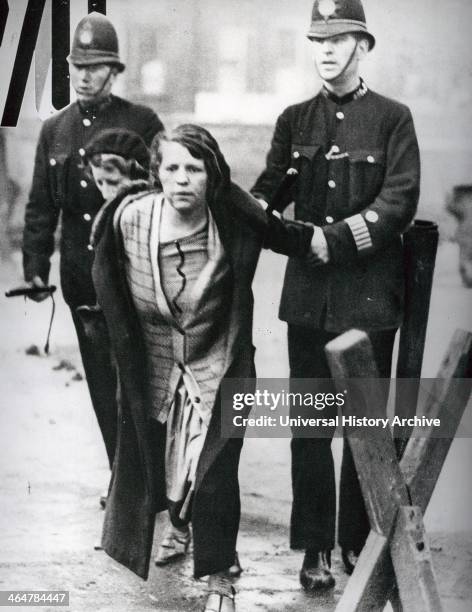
point(350, 357)
point(383, 487)
point(375, 579)
point(359, 594)
point(425, 455)
point(409, 549)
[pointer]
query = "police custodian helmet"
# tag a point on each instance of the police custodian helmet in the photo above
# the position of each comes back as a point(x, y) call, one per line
point(333, 17)
point(95, 42)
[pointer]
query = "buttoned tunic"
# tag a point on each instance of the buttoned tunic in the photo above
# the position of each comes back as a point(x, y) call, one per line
point(61, 185)
point(359, 175)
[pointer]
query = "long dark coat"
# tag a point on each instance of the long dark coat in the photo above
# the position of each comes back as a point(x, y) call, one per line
point(137, 489)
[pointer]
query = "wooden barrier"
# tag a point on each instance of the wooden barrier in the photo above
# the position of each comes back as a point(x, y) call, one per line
point(395, 563)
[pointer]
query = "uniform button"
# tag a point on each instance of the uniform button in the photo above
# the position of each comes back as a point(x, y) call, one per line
point(81, 152)
point(89, 247)
point(340, 115)
point(329, 220)
point(86, 122)
point(296, 155)
point(87, 217)
point(83, 183)
point(52, 161)
point(197, 400)
point(370, 159)
point(331, 184)
point(372, 216)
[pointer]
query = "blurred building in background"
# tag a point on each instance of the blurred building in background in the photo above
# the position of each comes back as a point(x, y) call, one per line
point(234, 65)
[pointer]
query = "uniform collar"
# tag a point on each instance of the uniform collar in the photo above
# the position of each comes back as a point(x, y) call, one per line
point(359, 92)
point(94, 108)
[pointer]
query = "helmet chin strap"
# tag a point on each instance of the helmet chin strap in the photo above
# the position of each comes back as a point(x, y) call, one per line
point(97, 96)
point(348, 62)
point(107, 80)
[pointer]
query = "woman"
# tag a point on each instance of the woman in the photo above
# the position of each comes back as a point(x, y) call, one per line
point(173, 273)
point(113, 159)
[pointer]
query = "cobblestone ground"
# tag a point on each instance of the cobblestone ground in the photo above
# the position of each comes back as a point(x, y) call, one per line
point(53, 468)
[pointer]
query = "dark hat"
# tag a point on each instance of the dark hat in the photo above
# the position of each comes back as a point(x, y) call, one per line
point(95, 42)
point(333, 17)
point(121, 142)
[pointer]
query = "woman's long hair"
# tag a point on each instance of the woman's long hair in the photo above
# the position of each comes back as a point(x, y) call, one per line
point(201, 145)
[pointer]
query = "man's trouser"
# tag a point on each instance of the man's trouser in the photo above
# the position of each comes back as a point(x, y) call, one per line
point(101, 377)
point(314, 494)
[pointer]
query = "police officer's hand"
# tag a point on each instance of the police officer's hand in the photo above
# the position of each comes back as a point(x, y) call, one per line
point(37, 282)
point(319, 253)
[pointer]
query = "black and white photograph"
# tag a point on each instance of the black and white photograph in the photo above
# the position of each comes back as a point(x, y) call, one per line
point(235, 307)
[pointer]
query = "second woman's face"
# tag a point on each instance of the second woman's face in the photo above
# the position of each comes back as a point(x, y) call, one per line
point(183, 178)
point(108, 180)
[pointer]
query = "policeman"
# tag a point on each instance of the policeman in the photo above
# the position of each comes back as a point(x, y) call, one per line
point(61, 186)
point(358, 162)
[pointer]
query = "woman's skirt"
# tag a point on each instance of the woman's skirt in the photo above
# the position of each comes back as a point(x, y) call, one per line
point(186, 433)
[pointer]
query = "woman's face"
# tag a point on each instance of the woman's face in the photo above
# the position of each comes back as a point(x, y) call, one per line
point(108, 180)
point(183, 178)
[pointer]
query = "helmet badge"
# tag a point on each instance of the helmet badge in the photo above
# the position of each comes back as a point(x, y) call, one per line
point(326, 8)
point(86, 36)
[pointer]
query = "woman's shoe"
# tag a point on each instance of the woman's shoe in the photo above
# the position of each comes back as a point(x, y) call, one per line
point(219, 603)
point(174, 545)
point(221, 594)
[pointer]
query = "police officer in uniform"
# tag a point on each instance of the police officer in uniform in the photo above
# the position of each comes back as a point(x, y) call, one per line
point(60, 185)
point(358, 161)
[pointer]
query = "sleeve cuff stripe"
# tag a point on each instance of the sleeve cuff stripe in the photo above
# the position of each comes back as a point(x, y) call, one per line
point(361, 246)
point(360, 232)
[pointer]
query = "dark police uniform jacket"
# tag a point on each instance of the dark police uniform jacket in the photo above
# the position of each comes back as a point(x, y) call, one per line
point(359, 175)
point(59, 184)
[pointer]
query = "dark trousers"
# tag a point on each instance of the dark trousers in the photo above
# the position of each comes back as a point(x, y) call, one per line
point(313, 517)
point(101, 377)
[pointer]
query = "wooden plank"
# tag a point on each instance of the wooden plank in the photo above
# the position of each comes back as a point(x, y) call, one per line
point(350, 355)
point(411, 558)
point(382, 483)
point(359, 596)
point(383, 487)
point(425, 456)
point(422, 467)
point(381, 480)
